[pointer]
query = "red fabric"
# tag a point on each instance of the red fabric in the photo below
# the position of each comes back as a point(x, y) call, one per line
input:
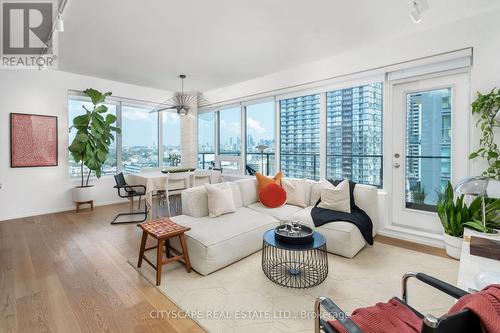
point(485, 304)
point(390, 317)
point(272, 195)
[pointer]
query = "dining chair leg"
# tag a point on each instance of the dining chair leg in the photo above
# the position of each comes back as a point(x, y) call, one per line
point(168, 205)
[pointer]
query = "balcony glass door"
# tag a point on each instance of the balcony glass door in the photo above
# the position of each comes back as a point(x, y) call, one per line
point(430, 146)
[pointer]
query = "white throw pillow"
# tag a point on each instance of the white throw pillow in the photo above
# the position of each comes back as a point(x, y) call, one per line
point(335, 197)
point(220, 199)
point(295, 192)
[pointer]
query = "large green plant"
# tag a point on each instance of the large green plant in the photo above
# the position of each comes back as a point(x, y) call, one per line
point(487, 107)
point(492, 209)
point(94, 135)
point(453, 214)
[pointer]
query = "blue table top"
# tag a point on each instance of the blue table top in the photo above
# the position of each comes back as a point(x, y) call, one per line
point(318, 241)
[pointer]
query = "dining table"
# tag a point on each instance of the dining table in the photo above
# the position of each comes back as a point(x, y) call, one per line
point(155, 181)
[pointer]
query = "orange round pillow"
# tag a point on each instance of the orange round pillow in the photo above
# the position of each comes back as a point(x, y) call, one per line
point(272, 195)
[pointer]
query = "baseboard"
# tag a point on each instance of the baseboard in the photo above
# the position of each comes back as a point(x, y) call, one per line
point(411, 245)
point(59, 210)
point(413, 236)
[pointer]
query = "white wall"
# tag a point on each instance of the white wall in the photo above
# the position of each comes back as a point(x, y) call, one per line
point(33, 191)
point(480, 32)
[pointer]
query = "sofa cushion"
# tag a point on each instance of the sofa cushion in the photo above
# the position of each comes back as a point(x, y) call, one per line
point(214, 243)
point(263, 180)
point(220, 200)
point(281, 213)
point(336, 198)
point(296, 192)
point(342, 238)
point(195, 199)
point(248, 189)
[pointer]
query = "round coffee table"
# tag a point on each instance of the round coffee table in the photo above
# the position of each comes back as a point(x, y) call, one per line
point(295, 266)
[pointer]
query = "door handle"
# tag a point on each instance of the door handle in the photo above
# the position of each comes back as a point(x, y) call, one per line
point(396, 165)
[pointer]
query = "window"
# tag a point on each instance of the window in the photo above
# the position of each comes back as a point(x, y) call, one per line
point(75, 108)
point(260, 144)
point(354, 134)
point(206, 139)
point(171, 139)
point(139, 138)
point(428, 146)
point(299, 140)
point(230, 131)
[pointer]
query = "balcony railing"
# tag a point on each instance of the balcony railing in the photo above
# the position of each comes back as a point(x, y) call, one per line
point(307, 169)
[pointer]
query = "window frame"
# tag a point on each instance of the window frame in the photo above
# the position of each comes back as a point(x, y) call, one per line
point(245, 106)
point(119, 103)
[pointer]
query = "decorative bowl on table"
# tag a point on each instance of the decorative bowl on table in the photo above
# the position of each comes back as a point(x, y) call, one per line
point(177, 170)
point(294, 233)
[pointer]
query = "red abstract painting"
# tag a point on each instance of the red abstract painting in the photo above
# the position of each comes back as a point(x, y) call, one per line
point(33, 140)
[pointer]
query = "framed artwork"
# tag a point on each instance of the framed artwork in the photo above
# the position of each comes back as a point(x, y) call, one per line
point(33, 140)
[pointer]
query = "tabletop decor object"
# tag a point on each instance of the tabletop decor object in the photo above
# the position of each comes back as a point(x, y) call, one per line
point(33, 140)
point(177, 170)
point(294, 233)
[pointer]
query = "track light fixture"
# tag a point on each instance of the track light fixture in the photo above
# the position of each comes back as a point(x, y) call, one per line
point(418, 7)
point(60, 23)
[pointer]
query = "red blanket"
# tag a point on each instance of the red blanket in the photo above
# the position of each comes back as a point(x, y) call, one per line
point(485, 304)
point(384, 318)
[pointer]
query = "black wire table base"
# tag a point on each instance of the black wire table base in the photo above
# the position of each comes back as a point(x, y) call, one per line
point(295, 268)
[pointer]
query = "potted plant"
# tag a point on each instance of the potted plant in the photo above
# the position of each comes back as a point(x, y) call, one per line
point(487, 107)
point(90, 146)
point(453, 215)
point(492, 216)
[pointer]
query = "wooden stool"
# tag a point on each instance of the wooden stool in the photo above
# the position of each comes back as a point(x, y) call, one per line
point(91, 203)
point(162, 230)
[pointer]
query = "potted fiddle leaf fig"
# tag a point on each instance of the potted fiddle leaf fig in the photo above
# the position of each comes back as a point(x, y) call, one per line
point(90, 147)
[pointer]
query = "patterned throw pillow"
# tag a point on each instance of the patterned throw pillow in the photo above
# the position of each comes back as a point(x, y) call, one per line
point(272, 195)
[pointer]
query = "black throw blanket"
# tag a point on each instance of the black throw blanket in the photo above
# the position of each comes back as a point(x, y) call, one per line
point(357, 216)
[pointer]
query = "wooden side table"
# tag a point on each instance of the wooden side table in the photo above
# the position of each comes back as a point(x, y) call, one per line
point(162, 230)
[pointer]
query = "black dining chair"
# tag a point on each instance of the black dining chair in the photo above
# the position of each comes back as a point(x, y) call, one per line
point(130, 192)
point(464, 321)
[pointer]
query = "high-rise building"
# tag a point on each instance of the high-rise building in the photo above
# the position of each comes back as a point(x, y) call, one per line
point(354, 134)
point(428, 145)
point(299, 140)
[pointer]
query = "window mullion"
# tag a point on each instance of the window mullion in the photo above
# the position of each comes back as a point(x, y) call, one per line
point(322, 136)
point(118, 138)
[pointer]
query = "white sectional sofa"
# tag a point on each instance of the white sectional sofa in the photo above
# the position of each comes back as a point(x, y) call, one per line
point(214, 243)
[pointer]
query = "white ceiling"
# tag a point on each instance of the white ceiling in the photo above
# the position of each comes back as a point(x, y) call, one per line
point(221, 42)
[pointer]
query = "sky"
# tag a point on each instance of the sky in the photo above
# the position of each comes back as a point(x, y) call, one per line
point(260, 123)
point(139, 127)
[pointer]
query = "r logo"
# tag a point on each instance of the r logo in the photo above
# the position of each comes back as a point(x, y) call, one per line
point(26, 28)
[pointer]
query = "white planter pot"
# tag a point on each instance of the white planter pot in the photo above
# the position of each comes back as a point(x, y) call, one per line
point(83, 194)
point(453, 246)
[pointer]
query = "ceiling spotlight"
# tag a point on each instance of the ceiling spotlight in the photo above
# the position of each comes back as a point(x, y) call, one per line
point(60, 23)
point(415, 15)
point(419, 6)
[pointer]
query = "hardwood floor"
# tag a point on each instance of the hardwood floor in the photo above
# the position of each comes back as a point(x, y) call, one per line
point(68, 272)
